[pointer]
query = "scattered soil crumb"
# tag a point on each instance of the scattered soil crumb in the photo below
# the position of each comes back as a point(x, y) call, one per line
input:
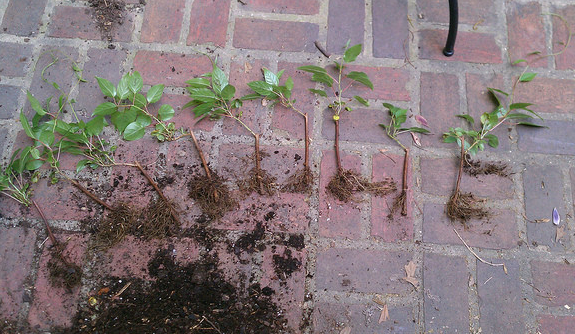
point(475, 168)
point(286, 264)
point(345, 183)
point(300, 182)
point(464, 207)
point(108, 14)
point(251, 241)
point(212, 195)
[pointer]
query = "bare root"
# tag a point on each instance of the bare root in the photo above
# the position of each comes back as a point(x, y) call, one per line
point(212, 195)
point(475, 168)
point(260, 181)
point(299, 182)
point(464, 207)
point(111, 230)
point(346, 183)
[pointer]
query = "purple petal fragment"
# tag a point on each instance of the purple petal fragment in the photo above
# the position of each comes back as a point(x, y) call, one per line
point(556, 217)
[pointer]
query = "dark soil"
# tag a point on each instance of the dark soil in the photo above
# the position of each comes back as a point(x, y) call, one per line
point(475, 168)
point(63, 273)
point(285, 265)
point(250, 241)
point(346, 183)
point(299, 182)
point(212, 195)
point(464, 207)
point(193, 298)
point(108, 14)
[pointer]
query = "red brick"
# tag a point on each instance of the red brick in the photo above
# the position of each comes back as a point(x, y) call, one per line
point(566, 60)
point(553, 283)
point(9, 96)
point(170, 69)
point(548, 95)
point(209, 22)
point(526, 33)
point(399, 228)
point(341, 28)
point(55, 306)
point(558, 138)
point(15, 59)
point(471, 47)
point(440, 176)
point(498, 232)
point(23, 17)
point(388, 84)
point(162, 21)
point(16, 252)
point(500, 298)
point(337, 219)
point(367, 271)
point(439, 105)
point(280, 7)
point(543, 187)
point(549, 324)
point(271, 35)
point(129, 259)
point(254, 115)
point(480, 101)
point(472, 12)
point(352, 127)
point(445, 301)
point(77, 22)
point(390, 29)
point(331, 318)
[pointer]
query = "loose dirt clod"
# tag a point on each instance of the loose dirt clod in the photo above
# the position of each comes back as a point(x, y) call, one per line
point(345, 183)
point(299, 182)
point(475, 168)
point(212, 195)
point(464, 207)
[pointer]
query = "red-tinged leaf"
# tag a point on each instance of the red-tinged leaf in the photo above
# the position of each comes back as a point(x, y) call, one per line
point(421, 120)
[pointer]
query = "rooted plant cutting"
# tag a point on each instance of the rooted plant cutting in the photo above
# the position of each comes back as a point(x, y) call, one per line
point(270, 89)
point(465, 206)
point(393, 129)
point(345, 183)
point(214, 97)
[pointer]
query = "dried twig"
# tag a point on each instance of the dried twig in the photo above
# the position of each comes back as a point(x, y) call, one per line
point(212, 324)
point(173, 211)
point(321, 49)
point(479, 258)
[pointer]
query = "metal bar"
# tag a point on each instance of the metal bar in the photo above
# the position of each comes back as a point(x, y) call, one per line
point(453, 22)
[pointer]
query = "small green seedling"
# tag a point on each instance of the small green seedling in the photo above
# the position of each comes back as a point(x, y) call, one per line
point(270, 89)
point(398, 116)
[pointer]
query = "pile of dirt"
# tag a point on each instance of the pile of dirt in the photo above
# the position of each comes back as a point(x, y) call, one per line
point(108, 14)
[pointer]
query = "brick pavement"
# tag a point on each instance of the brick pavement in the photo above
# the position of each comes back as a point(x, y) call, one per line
point(354, 256)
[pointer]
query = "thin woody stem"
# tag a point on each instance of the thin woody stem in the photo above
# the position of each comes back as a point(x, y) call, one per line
point(306, 160)
point(460, 167)
point(405, 186)
point(158, 190)
point(90, 194)
point(337, 157)
point(48, 229)
point(201, 153)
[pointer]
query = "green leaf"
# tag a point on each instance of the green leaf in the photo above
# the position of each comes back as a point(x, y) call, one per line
point(262, 88)
point(289, 84)
point(106, 87)
point(518, 116)
point(449, 139)
point(81, 165)
point(219, 79)
point(35, 153)
point(361, 100)
point(323, 78)
point(134, 131)
point(253, 96)
point(95, 126)
point(228, 92)
point(318, 92)
point(123, 91)
point(351, 54)
point(122, 119)
point(532, 125)
point(106, 108)
point(203, 94)
point(528, 76)
point(143, 120)
point(519, 61)
point(198, 83)
point(312, 69)
point(418, 130)
point(34, 164)
point(155, 93)
point(26, 126)
point(136, 83)
point(467, 118)
point(202, 109)
point(271, 78)
point(519, 105)
point(360, 77)
point(492, 140)
point(35, 104)
point(166, 112)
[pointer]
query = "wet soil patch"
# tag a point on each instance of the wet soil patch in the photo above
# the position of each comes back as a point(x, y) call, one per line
point(251, 241)
point(286, 264)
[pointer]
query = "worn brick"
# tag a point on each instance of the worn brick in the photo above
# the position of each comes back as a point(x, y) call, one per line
point(162, 21)
point(271, 35)
point(526, 33)
point(364, 129)
point(341, 28)
point(550, 324)
point(337, 219)
point(480, 101)
point(170, 69)
point(77, 22)
point(500, 298)
point(16, 252)
point(397, 228)
point(101, 63)
point(129, 258)
point(543, 186)
point(331, 318)
point(472, 12)
point(55, 306)
point(209, 22)
point(445, 301)
point(367, 271)
point(558, 138)
point(497, 232)
point(439, 104)
point(390, 29)
point(471, 47)
point(565, 60)
point(23, 17)
point(571, 173)
point(548, 95)
point(281, 7)
point(9, 96)
point(15, 59)
point(553, 283)
point(388, 84)
point(440, 175)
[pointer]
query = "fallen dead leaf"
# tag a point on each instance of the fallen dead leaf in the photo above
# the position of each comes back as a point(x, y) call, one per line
point(247, 67)
point(103, 291)
point(384, 315)
point(421, 120)
point(416, 140)
point(346, 330)
point(545, 220)
point(410, 274)
point(559, 233)
point(378, 300)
